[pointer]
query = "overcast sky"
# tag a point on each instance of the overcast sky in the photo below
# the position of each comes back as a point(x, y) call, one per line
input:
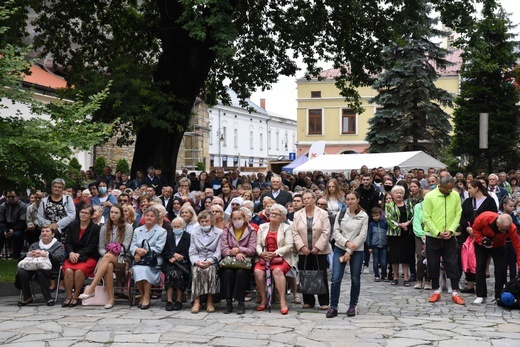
point(281, 99)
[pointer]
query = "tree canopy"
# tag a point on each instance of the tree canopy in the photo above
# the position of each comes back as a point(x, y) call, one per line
point(489, 85)
point(411, 117)
point(36, 150)
point(162, 54)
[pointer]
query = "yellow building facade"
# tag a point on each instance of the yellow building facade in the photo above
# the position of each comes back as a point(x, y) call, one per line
point(324, 115)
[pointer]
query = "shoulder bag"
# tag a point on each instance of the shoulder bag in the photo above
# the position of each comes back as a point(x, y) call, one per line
point(231, 262)
point(311, 281)
point(150, 259)
point(33, 264)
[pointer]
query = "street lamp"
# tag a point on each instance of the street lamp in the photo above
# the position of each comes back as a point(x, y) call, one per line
point(284, 143)
point(220, 135)
point(221, 139)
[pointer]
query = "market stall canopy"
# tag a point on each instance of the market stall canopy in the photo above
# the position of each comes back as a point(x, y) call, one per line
point(345, 162)
point(302, 159)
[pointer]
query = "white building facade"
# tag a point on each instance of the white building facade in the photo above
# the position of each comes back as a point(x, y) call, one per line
point(238, 138)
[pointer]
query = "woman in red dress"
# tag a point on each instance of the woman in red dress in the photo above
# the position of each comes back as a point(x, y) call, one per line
point(81, 249)
point(274, 244)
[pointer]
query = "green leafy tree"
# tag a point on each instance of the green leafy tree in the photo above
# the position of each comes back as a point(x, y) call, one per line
point(123, 166)
point(99, 165)
point(412, 118)
point(34, 150)
point(488, 87)
point(162, 54)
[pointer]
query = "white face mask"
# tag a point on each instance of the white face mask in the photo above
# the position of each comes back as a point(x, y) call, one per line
point(238, 224)
point(205, 227)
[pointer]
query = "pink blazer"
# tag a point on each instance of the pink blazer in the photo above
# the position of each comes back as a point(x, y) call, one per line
point(320, 230)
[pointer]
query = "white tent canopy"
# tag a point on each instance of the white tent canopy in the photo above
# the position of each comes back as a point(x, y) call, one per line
point(346, 162)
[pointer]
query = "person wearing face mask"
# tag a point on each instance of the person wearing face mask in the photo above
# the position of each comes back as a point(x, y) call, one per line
point(239, 241)
point(104, 198)
point(205, 254)
point(433, 181)
point(176, 251)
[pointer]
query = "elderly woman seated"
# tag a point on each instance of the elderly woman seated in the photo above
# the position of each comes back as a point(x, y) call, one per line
point(238, 243)
point(50, 248)
point(274, 244)
point(176, 265)
point(205, 248)
point(147, 239)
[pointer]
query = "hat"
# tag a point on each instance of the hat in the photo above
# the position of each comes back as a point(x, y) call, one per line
point(507, 299)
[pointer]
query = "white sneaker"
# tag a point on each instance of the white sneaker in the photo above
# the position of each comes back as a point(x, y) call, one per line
point(478, 301)
point(365, 270)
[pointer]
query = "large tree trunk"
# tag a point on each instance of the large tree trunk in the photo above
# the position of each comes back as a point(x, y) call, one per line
point(183, 66)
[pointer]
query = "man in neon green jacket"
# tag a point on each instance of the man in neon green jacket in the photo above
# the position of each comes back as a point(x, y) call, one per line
point(441, 217)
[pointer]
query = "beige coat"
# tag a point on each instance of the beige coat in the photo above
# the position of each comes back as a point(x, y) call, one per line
point(284, 240)
point(320, 230)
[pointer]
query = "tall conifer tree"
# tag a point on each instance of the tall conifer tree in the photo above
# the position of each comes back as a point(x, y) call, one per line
point(488, 86)
point(411, 117)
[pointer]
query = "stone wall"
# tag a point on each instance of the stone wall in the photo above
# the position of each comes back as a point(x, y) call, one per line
point(112, 153)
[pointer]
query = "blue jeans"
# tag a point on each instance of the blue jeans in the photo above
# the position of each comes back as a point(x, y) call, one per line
point(379, 255)
point(356, 264)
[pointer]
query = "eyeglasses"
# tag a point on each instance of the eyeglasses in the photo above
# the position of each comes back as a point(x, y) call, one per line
point(275, 214)
point(123, 200)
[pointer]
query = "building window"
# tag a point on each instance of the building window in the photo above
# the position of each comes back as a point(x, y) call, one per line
point(348, 121)
point(315, 122)
point(269, 139)
point(235, 161)
point(211, 135)
point(224, 161)
point(261, 141)
point(316, 94)
point(277, 140)
point(224, 136)
point(251, 142)
point(235, 138)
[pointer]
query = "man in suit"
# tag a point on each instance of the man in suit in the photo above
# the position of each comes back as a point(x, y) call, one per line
point(167, 201)
point(279, 195)
point(495, 190)
point(151, 180)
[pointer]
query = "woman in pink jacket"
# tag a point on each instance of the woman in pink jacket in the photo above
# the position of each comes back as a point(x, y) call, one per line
point(311, 233)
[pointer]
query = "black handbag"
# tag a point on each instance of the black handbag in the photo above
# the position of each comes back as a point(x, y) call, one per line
point(311, 281)
point(150, 259)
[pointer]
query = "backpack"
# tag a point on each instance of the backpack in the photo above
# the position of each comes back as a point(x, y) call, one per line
point(510, 295)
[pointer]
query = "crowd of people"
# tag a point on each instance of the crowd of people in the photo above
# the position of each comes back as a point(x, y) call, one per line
point(215, 235)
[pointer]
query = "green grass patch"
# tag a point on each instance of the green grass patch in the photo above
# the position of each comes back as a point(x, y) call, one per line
point(8, 270)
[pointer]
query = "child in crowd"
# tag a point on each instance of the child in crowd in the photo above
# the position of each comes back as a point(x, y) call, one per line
point(377, 242)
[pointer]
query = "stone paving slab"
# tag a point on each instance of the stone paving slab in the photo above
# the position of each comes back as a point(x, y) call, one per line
point(387, 316)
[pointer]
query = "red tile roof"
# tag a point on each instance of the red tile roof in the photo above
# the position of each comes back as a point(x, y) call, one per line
point(44, 78)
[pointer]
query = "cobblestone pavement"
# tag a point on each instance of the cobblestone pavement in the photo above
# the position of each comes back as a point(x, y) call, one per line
point(387, 316)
